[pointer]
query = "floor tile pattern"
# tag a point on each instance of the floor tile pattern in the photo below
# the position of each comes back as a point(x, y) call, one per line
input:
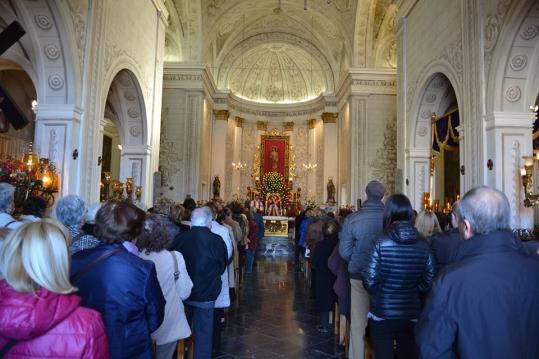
point(274, 316)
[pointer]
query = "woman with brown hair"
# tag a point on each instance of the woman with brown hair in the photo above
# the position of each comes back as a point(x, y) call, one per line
point(121, 286)
point(174, 281)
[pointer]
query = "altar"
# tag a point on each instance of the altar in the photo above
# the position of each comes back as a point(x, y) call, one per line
point(276, 226)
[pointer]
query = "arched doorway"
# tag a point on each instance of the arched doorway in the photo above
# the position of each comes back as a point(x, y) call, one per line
point(123, 127)
point(434, 153)
point(19, 86)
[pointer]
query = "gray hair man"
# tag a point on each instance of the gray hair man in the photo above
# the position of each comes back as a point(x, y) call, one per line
point(71, 212)
point(486, 304)
point(206, 259)
point(7, 205)
point(359, 230)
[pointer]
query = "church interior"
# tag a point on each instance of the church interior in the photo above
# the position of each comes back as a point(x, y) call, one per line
point(281, 105)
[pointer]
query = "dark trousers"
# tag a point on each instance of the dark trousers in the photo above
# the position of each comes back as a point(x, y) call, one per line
point(385, 332)
point(218, 315)
point(200, 318)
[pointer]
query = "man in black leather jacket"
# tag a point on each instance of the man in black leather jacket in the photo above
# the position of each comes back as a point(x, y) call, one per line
point(485, 305)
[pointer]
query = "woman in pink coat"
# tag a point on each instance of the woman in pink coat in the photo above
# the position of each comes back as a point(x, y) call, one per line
point(40, 317)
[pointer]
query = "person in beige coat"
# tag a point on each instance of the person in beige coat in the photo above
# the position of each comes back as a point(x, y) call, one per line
point(174, 281)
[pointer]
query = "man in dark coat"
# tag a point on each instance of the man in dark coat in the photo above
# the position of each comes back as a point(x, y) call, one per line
point(445, 245)
point(206, 259)
point(485, 305)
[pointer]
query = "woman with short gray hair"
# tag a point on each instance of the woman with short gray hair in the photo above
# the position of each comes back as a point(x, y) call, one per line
point(7, 196)
point(70, 211)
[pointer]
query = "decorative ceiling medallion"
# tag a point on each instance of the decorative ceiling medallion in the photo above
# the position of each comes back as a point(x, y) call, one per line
point(135, 131)
point(422, 131)
point(430, 98)
point(491, 32)
point(56, 82)
point(425, 114)
point(133, 112)
point(52, 52)
point(529, 32)
point(519, 62)
point(513, 94)
point(43, 22)
point(130, 95)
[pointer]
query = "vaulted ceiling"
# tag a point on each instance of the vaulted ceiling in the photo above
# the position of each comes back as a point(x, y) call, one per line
point(278, 51)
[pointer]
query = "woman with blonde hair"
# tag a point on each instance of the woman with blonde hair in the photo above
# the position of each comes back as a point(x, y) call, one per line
point(40, 317)
point(427, 224)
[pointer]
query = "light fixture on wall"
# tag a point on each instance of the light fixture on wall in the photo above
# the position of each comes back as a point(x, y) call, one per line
point(239, 166)
point(34, 106)
point(309, 167)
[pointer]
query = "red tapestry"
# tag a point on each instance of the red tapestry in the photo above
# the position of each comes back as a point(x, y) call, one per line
point(275, 156)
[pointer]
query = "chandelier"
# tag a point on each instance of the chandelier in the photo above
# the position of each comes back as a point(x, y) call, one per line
point(309, 167)
point(239, 166)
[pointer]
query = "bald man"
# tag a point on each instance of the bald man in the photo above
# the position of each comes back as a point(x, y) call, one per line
point(485, 305)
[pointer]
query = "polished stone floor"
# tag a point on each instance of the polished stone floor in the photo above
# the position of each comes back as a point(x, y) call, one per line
point(274, 316)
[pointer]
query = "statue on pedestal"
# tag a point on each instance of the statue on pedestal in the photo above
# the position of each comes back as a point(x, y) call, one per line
point(216, 187)
point(331, 190)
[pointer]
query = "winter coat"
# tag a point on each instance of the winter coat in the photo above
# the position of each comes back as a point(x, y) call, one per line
point(359, 230)
point(338, 267)
point(444, 247)
point(253, 236)
point(49, 325)
point(324, 279)
point(206, 258)
point(174, 326)
point(486, 305)
point(399, 268)
point(125, 290)
point(314, 232)
point(223, 300)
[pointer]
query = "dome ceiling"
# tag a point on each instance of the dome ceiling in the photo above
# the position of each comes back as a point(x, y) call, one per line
point(279, 73)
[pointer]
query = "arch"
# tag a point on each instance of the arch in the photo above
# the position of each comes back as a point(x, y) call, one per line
point(129, 102)
point(513, 77)
point(419, 121)
point(45, 52)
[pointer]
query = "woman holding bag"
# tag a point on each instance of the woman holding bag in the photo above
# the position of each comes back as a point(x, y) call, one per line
point(174, 281)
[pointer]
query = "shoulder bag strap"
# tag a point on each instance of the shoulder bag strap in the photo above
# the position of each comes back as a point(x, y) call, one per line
point(7, 348)
point(176, 269)
point(7, 226)
point(77, 276)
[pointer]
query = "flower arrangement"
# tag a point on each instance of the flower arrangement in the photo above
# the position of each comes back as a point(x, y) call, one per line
point(273, 182)
point(310, 202)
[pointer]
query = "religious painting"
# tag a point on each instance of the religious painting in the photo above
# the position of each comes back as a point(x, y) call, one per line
point(274, 150)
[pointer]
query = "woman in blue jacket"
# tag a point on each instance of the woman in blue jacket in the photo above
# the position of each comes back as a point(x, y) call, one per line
point(398, 271)
point(118, 284)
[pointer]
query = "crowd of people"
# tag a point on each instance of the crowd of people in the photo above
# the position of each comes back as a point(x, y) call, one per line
point(413, 288)
point(114, 280)
point(117, 281)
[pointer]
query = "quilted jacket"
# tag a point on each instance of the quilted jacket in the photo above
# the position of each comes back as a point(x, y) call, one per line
point(49, 325)
point(398, 269)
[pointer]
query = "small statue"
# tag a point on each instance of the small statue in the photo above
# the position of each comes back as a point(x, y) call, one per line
point(216, 187)
point(331, 191)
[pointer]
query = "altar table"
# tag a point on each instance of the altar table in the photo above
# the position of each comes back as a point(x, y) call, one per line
point(275, 226)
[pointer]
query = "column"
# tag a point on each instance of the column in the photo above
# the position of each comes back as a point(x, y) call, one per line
point(57, 138)
point(329, 119)
point(311, 174)
point(219, 138)
point(509, 137)
point(236, 174)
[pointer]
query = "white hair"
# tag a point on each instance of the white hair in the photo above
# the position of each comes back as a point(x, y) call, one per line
point(7, 193)
point(71, 210)
point(201, 217)
point(487, 210)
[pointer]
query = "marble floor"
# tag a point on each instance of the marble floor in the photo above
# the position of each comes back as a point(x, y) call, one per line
point(274, 316)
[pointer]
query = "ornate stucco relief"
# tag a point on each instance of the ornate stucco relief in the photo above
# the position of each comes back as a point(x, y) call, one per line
point(385, 163)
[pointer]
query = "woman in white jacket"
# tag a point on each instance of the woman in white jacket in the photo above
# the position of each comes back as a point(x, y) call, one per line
point(174, 281)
